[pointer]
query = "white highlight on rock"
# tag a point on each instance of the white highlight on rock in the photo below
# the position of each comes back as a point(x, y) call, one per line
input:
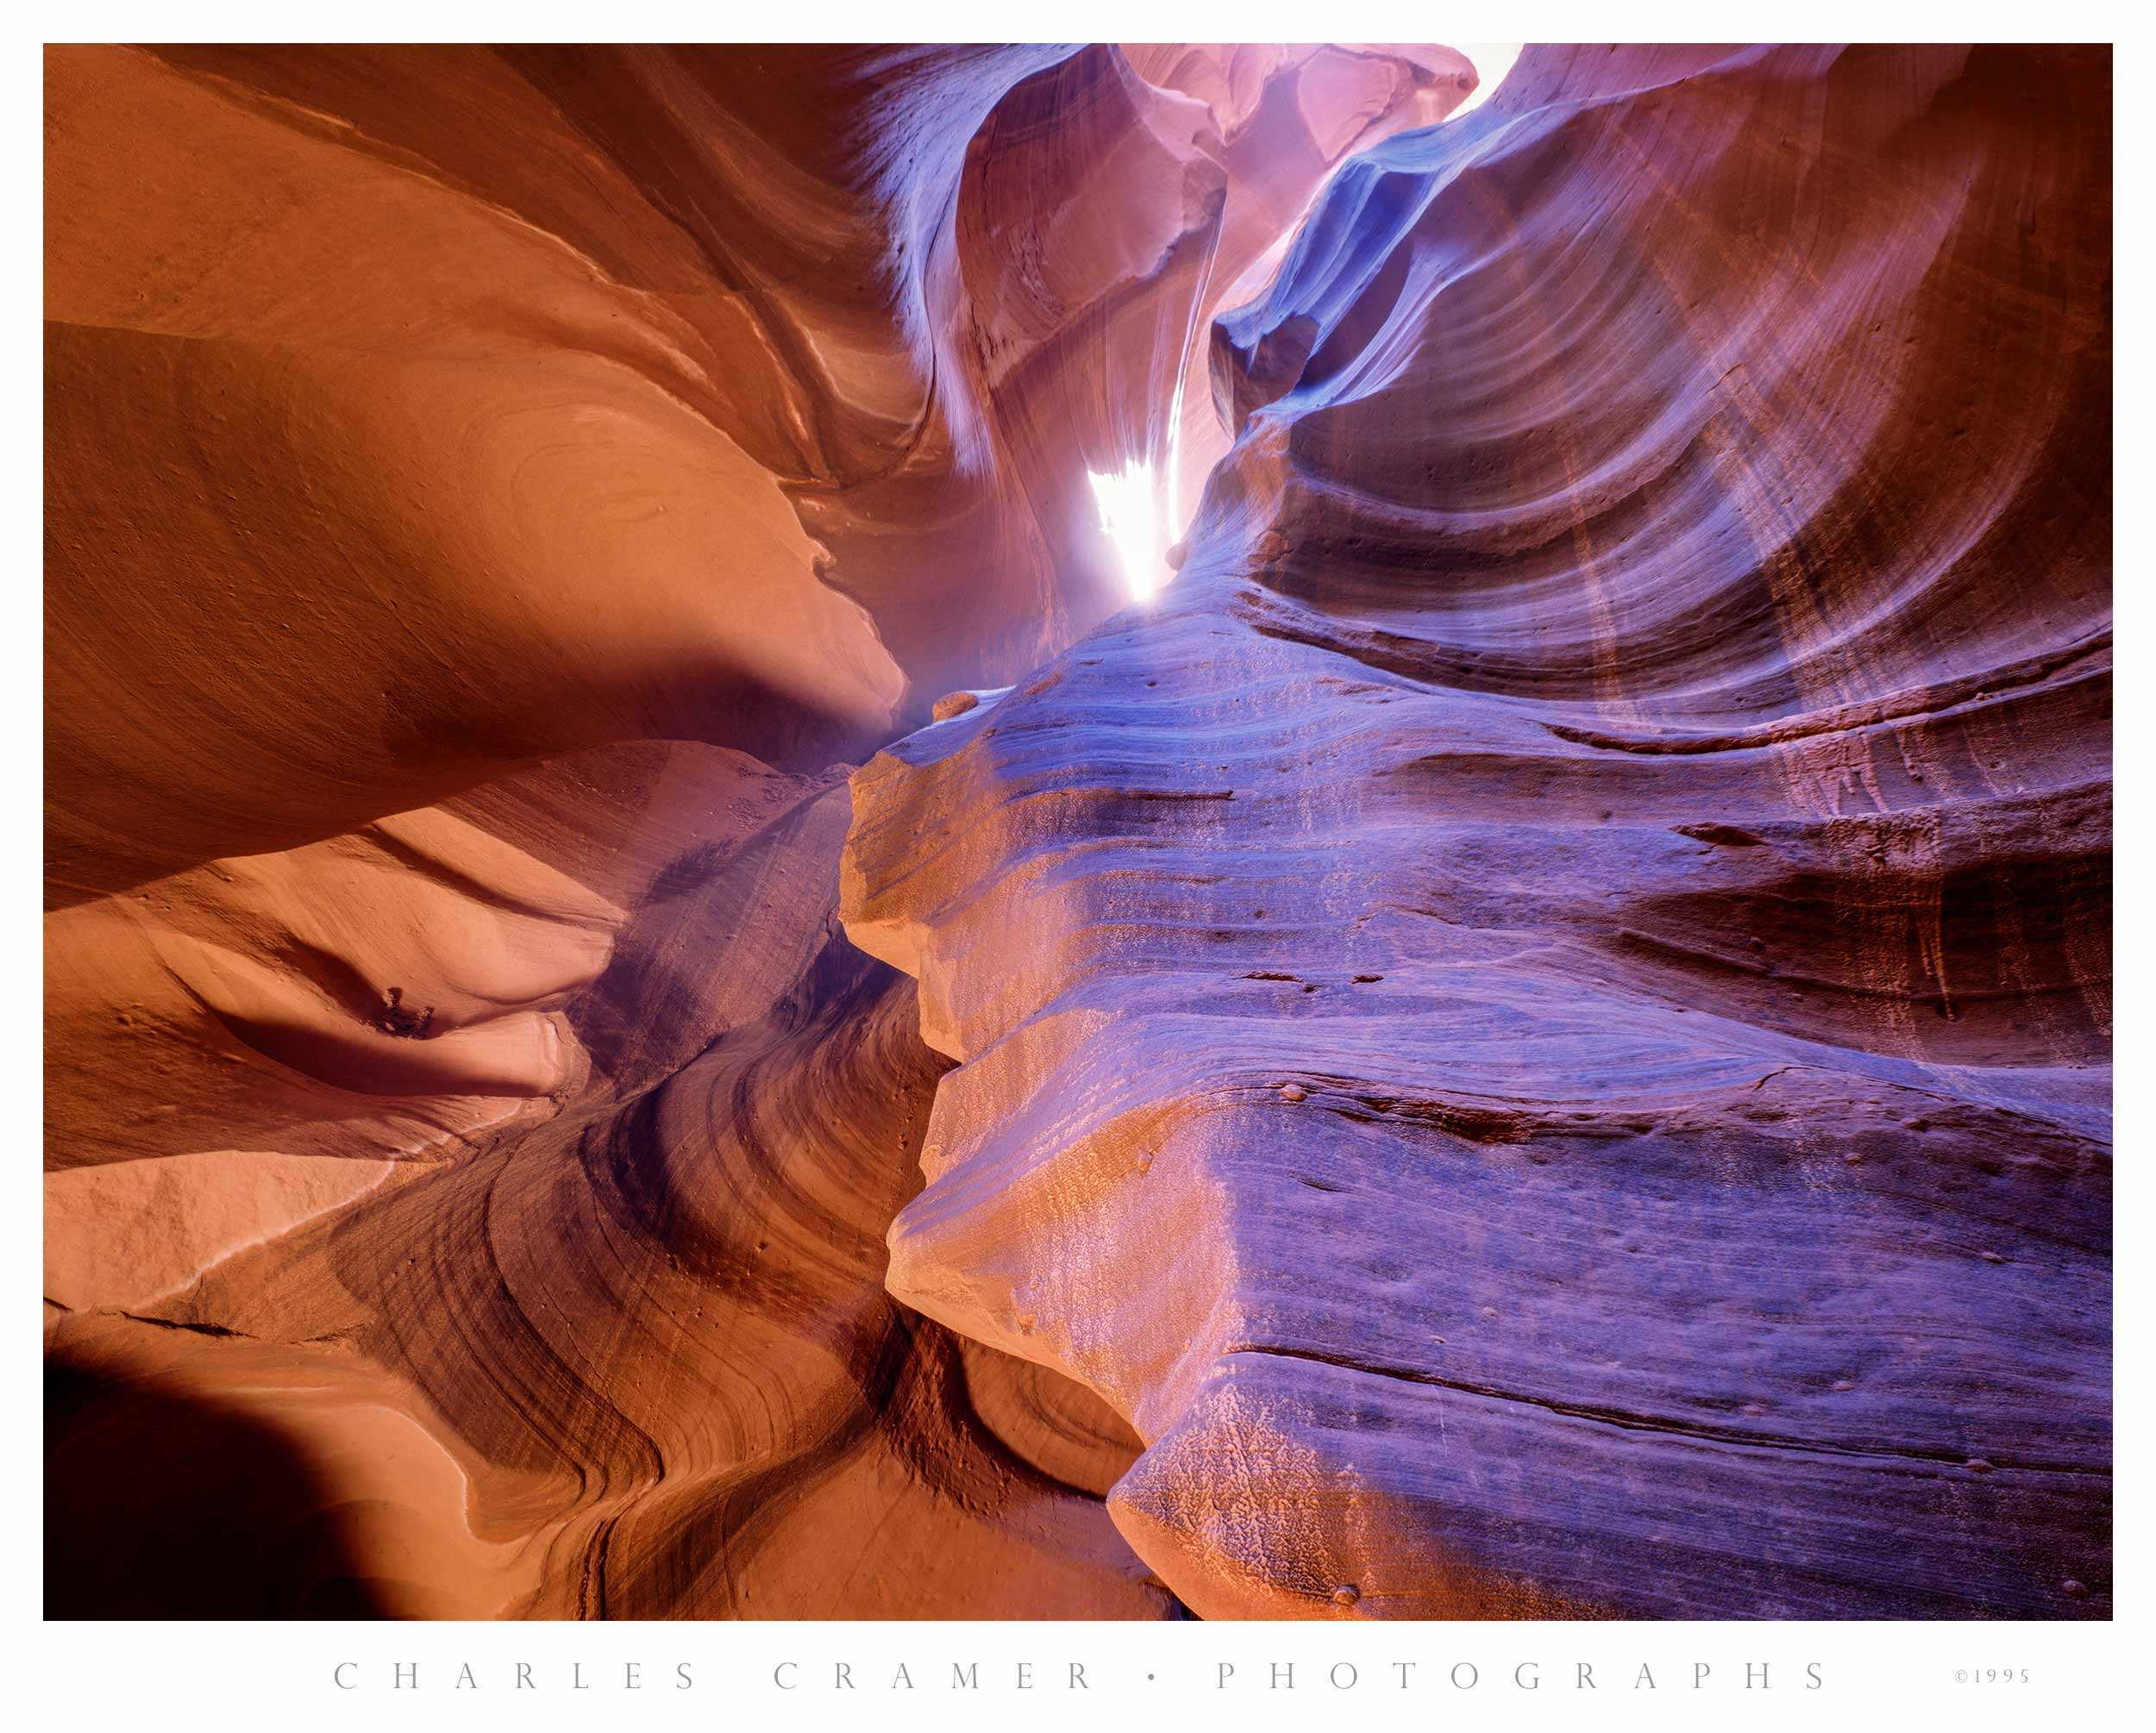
point(1491, 60)
point(1130, 517)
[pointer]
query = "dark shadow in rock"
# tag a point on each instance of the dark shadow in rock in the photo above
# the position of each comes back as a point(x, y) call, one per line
point(162, 1505)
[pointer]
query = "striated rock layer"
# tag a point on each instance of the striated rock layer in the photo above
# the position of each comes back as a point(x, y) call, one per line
point(1539, 1027)
point(493, 496)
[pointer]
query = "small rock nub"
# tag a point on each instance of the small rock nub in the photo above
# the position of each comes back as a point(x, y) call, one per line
point(1293, 1091)
point(953, 704)
point(1346, 1595)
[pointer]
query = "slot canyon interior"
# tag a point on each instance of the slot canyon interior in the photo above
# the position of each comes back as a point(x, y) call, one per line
point(1087, 833)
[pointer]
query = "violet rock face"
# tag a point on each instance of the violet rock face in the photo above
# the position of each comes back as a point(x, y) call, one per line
point(1539, 1024)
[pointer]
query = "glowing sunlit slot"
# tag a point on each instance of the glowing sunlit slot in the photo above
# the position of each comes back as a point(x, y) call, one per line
point(1130, 517)
point(1491, 61)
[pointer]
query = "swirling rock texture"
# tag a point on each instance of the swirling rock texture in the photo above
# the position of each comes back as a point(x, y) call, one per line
point(1540, 1026)
point(493, 499)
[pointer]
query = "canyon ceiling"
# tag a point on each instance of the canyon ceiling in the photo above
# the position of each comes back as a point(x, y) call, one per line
point(663, 1000)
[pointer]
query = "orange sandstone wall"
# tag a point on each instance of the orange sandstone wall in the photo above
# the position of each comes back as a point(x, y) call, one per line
point(493, 496)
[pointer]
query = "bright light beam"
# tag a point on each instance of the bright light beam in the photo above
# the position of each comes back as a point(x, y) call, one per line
point(1129, 518)
point(1491, 61)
